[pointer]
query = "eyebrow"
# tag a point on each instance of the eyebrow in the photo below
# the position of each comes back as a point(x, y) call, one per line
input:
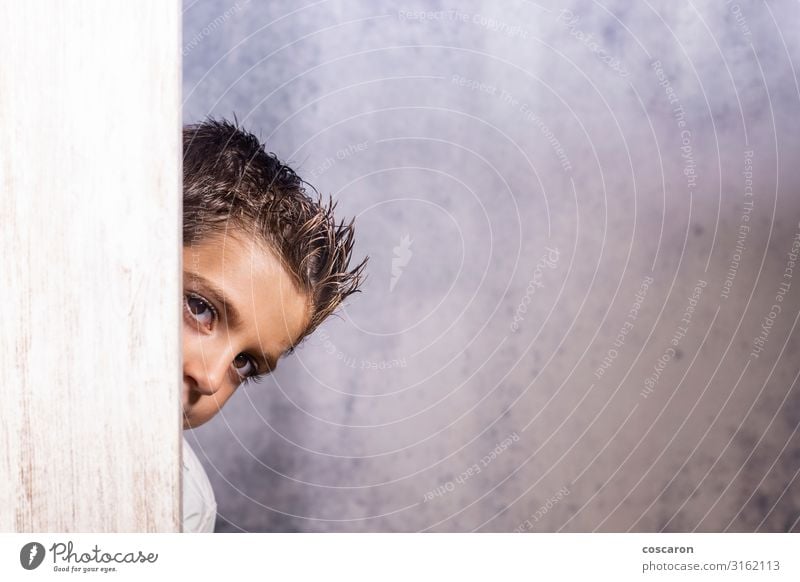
point(233, 317)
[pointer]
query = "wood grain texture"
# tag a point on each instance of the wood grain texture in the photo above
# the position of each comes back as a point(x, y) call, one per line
point(89, 282)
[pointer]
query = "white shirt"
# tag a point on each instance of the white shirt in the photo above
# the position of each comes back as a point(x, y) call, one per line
point(199, 505)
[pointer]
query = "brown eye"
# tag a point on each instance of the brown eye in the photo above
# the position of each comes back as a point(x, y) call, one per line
point(200, 310)
point(244, 365)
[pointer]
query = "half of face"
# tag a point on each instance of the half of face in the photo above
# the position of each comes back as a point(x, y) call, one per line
point(241, 313)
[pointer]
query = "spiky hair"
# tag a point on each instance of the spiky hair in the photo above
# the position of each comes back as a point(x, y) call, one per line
point(229, 180)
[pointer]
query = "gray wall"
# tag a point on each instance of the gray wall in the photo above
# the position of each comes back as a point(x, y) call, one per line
point(482, 381)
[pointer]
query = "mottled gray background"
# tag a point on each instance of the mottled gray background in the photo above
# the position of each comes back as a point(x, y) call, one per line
point(386, 419)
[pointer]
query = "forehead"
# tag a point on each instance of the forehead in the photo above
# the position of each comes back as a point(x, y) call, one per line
point(258, 289)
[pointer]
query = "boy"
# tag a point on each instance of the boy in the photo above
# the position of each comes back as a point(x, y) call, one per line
point(263, 266)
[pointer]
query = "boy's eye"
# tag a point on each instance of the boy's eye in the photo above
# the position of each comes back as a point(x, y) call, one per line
point(245, 366)
point(200, 310)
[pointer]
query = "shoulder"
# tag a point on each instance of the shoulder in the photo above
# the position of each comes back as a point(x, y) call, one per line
point(199, 504)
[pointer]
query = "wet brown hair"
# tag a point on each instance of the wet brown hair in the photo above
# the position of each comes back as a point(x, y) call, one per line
point(231, 182)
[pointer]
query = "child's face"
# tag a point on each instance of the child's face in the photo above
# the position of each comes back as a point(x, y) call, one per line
point(241, 312)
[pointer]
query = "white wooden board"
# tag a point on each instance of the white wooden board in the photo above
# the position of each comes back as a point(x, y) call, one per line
point(89, 266)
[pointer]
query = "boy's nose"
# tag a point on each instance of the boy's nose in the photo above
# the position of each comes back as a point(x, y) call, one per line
point(209, 372)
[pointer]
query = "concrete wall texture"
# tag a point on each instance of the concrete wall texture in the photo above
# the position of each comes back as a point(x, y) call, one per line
point(582, 305)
